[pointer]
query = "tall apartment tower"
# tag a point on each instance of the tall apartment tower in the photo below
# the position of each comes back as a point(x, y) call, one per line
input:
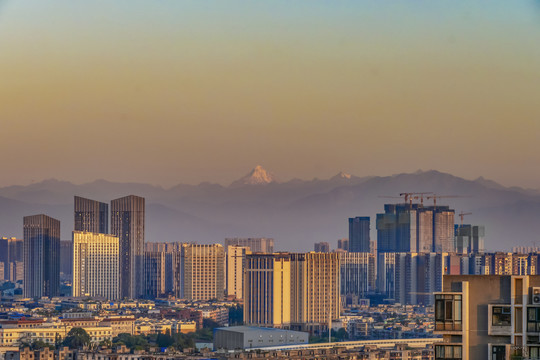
point(11, 251)
point(321, 247)
point(264, 245)
point(469, 239)
point(41, 256)
point(315, 291)
point(66, 258)
point(91, 215)
point(162, 267)
point(343, 244)
point(95, 265)
point(415, 228)
point(359, 234)
point(267, 290)
point(127, 223)
point(236, 259)
point(357, 273)
point(443, 229)
point(204, 267)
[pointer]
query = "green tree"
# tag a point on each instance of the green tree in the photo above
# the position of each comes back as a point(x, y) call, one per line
point(164, 340)
point(77, 338)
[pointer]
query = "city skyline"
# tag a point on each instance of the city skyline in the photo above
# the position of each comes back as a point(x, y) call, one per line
point(194, 92)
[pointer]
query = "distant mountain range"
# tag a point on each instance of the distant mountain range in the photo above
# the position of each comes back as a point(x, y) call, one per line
point(296, 213)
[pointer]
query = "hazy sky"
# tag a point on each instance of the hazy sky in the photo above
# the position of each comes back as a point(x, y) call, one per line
point(184, 91)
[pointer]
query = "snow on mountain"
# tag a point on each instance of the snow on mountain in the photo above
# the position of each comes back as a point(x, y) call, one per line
point(257, 176)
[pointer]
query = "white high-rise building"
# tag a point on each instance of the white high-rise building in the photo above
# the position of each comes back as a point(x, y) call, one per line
point(96, 265)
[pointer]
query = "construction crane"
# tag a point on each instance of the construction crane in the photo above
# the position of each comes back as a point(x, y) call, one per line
point(409, 196)
point(435, 197)
point(462, 215)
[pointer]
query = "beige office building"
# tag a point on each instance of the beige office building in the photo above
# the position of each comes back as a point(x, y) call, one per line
point(236, 257)
point(267, 290)
point(96, 265)
point(203, 267)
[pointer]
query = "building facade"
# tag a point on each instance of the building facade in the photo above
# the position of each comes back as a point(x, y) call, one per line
point(127, 223)
point(236, 258)
point(359, 239)
point(90, 215)
point(11, 252)
point(267, 290)
point(96, 265)
point(203, 271)
point(264, 245)
point(41, 251)
point(357, 271)
point(494, 317)
point(321, 247)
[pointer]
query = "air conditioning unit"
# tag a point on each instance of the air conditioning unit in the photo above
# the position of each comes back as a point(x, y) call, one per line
point(536, 296)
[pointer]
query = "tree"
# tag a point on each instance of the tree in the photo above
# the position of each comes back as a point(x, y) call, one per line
point(77, 338)
point(164, 340)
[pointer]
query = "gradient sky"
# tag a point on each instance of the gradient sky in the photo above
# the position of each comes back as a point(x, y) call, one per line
point(173, 91)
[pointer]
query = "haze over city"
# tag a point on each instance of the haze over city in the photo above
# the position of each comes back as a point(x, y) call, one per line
point(176, 92)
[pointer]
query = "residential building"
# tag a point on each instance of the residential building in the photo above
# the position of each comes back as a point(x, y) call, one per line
point(470, 239)
point(66, 259)
point(343, 244)
point(315, 291)
point(127, 223)
point(11, 251)
point(267, 290)
point(359, 239)
point(357, 270)
point(322, 247)
point(488, 317)
point(41, 256)
point(236, 257)
point(203, 271)
point(162, 266)
point(95, 265)
point(264, 245)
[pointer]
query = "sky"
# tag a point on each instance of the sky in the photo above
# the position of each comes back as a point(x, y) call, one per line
point(171, 91)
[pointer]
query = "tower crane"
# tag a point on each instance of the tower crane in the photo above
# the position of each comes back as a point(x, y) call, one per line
point(462, 215)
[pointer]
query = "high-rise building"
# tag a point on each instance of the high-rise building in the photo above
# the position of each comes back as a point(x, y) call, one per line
point(267, 290)
point(443, 229)
point(91, 215)
point(415, 228)
point(41, 256)
point(11, 250)
point(203, 270)
point(470, 239)
point(410, 278)
point(359, 240)
point(127, 223)
point(488, 317)
point(264, 245)
point(162, 266)
point(95, 265)
point(322, 247)
point(343, 244)
point(357, 273)
point(236, 258)
point(66, 259)
point(315, 290)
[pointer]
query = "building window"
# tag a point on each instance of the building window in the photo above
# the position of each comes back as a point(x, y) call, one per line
point(448, 352)
point(501, 316)
point(448, 312)
point(533, 319)
point(498, 353)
